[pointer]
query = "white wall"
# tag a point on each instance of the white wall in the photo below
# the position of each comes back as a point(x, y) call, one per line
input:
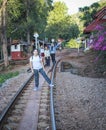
point(18, 48)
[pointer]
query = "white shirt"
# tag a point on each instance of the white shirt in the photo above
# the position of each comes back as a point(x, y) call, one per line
point(47, 53)
point(36, 62)
point(42, 50)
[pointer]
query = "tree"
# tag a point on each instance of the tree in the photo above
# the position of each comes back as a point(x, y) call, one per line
point(3, 31)
point(57, 20)
point(102, 3)
point(87, 13)
point(60, 24)
point(27, 17)
point(16, 13)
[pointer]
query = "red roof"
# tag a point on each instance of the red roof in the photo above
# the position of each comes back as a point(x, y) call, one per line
point(93, 25)
point(103, 10)
point(100, 18)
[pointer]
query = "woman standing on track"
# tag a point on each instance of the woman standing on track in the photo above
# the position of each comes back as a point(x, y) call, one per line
point(37, 67)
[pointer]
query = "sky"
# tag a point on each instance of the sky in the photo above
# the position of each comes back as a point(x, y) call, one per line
point(73, 5)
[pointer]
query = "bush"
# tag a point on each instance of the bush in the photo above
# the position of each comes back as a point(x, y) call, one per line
point(98, 41)
point(73, 44)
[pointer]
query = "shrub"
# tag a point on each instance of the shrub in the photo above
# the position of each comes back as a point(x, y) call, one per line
point(73, 44)
point(98, 40)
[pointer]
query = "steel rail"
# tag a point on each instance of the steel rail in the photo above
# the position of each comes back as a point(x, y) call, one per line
point(3, 115)
point(53, 120)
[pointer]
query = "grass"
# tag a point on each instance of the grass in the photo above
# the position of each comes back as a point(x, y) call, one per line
point(4, 77)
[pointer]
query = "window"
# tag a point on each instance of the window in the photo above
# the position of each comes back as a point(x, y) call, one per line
point(15, 46)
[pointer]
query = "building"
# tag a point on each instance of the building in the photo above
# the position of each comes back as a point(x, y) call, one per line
point(100, 18)
point(18, 50)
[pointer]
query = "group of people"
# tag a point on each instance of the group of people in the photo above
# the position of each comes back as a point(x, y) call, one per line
point(47, 53)
point(39, 60)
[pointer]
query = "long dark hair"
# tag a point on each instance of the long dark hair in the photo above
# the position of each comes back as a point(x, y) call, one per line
point(37, 51)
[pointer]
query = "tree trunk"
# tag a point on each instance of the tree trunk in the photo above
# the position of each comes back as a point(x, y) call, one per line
point(3, 33)
point(28, 41)
point(28, 31)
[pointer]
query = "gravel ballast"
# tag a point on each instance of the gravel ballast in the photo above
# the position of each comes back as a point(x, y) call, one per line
point(81, 102)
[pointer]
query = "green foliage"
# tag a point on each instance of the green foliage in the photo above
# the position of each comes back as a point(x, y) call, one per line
point(4, 77)
point(1, 2)
point(14, 9)
point(87, 13)
point(102, 3)
point(60, 24)
point(16, 12)
point(73, 44)
point(73, 31)
point(26, 17)
point(76, 20)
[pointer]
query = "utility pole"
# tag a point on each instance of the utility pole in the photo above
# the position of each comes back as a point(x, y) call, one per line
point(36, 36)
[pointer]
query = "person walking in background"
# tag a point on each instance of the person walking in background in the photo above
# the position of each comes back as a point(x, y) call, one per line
point(37, 67)
point(42, 53)
point(47, 56)
point(59, 44)
point(52, 53)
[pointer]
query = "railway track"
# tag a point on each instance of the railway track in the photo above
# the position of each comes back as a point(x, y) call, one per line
point(12, 114)
point(66, 106)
